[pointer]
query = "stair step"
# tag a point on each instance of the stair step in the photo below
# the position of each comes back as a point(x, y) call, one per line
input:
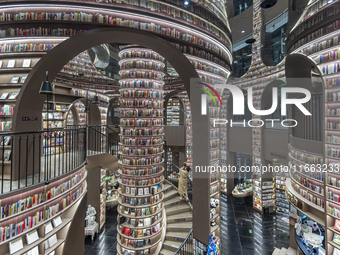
point(276, 251)
point(176, 236)
point(166, 252)
point(181, 217)
point(166, 187)
point(170, 194)
point(171, 245)
point(172, 201)
point(291, 251)
point(283, 251)
point(176, 209)
point(179, 227)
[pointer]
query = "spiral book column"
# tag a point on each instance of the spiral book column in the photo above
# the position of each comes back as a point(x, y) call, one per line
point(141, 212)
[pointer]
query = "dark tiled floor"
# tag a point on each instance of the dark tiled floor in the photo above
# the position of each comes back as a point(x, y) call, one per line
point(105, 243)
point(246, 232)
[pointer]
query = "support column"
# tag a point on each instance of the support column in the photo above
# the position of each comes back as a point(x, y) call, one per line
point(141, 210)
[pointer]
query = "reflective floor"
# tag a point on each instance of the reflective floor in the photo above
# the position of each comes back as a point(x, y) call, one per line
point(247, 232)
point(244, 231)
point(105, 243)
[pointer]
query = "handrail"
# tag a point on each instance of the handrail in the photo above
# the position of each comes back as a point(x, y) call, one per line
point(185, 245)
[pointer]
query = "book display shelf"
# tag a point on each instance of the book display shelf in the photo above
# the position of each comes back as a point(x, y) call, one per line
point(141, 213)
point(320, 190)
point(37, 221)
point(223, 144)
point(215, 183)
point(174, 112)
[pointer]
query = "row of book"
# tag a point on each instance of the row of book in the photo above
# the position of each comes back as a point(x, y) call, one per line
point(7, 110)
point(52, 115)
point(142, 64)
point(140, 84)
point(318, 175)
point(53, 124)
point(315, 7)
point(319, 46)
point(334, 181)
point(25, 47)
point(13, 229)
point(141, 182)
point(334, 196)
point(143, 191)
point(333, 152)
point(330, 69)
point(178, 13)
point(138, 141)
point(305, 182)
point(333, 139)
point(141, 74)
point(140, 233)
point(319, 201)
point(316, 34)
point(147, 103)
point(142, 152)
point(141, 161)
point(141, 113)
point(40, 31)
point(140, 53)
point(333, 111)
point(147, 210)
point(306, 158)
point(208, 68)
point(333, 125)
point(139, 201)
point(143, 171)
point(315, 19)
point(330, 56)
point(6, 125)
point(141, 123)
point(142, 132)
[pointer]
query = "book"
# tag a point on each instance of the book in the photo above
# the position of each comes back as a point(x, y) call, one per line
point(26, 63)
point(4, 95)
point(15, 79)
point(14, 95)
point(336, 251)
point(11, 63)
point(7, 155)
point(336, 239)
point(5, 140)
point(23, 79)
point(337, 225)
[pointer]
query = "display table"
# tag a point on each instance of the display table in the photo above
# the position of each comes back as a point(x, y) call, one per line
point(240, 191)
point(92, 230)
point(112, 202)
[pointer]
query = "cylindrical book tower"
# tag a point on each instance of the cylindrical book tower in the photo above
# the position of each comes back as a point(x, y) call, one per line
point(140, 209)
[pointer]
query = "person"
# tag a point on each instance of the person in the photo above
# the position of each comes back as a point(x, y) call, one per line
point(183, 182)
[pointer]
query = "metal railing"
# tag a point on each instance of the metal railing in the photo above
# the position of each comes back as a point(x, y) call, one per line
point(102, 139)
point(187, 246)
point(30, 158)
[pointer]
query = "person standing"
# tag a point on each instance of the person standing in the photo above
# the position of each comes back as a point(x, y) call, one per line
point(183, 182)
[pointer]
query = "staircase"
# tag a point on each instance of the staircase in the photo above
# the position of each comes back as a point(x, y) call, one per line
point(179, 220)
point(284, 251)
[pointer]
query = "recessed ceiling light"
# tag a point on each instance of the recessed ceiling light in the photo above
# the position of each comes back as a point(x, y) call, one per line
point(186, 2)
point(243, 31)
point(268, 3)
point(330, 1)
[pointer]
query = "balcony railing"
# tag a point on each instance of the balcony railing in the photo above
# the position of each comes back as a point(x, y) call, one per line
point(30, 158)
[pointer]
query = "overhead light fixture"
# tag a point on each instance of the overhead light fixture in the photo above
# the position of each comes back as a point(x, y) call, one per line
point(46, 86)
point(268, 3)
point(186, 2)
point(330, 1)
point(250, 41)
point(243, 31)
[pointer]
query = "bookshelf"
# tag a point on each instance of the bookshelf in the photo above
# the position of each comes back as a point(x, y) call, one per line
point(103, 190)
point(174, 112)
point(39, 218)
point(141, 161)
